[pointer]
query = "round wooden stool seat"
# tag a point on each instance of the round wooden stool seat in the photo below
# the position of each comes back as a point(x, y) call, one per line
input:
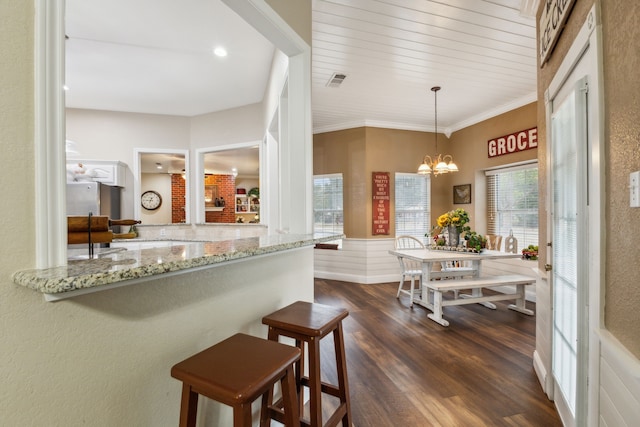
point(236, 372)
point(309, 323)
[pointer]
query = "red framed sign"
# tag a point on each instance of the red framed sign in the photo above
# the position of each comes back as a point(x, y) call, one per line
point(380, 202)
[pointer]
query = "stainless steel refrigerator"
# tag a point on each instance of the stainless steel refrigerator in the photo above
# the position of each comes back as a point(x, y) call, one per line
point(94, 197)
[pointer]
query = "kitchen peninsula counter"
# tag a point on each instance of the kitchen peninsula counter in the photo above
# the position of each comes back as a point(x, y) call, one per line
point(117, 266)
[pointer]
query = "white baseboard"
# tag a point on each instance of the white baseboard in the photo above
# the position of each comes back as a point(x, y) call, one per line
point(356, 278)
point(541, 372)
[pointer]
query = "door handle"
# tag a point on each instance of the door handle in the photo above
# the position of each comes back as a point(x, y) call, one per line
point(547, 267)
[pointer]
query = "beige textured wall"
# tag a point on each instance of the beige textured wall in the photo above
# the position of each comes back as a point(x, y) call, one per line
point(545, 75)
point(622, 135)
point(104, 359)
point(622, 155)
point(358, 152)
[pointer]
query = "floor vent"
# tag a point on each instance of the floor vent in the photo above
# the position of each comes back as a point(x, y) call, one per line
point(336, 80)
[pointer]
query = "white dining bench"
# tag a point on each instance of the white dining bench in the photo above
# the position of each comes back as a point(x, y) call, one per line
point(437, 287)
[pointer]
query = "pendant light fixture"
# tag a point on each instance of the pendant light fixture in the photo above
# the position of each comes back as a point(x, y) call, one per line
point(439, 163)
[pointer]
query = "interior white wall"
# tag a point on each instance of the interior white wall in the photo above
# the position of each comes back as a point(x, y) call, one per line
point(110, 135)
point(104, 359)
point(237, 125)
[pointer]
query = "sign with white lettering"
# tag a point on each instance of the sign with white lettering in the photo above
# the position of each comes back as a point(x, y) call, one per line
point(554, 15)
point(518, 141)
point(380, 202)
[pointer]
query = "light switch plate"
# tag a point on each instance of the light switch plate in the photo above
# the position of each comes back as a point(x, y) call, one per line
point(634, 189)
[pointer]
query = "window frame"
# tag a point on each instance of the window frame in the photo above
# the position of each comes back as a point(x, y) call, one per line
point(427, 202)
point(332, 176)
point(525, 238)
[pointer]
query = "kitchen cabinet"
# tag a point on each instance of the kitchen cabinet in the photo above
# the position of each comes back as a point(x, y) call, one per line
point(107, 172)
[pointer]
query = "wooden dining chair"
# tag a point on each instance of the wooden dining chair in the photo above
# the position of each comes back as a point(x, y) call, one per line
point(494, 242)
point(409, 268)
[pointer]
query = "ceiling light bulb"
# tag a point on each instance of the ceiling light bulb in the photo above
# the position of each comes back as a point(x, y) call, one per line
point(424, 169)
point(220, 51)
point(442, 167)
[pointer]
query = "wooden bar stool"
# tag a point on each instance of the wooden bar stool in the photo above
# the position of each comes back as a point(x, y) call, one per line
point(309, 323)
point(236, 372)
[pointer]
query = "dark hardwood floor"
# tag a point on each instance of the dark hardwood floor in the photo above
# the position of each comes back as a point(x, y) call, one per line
point(406, 370)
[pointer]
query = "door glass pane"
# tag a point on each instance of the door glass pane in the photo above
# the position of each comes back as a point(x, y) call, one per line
point(564, 161)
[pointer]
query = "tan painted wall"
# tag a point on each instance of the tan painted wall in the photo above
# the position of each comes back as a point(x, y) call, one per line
point(297, 14)
point(470, 152)
point(358, 152)
point(621, 112)
point(392, 150)
point(344, 152)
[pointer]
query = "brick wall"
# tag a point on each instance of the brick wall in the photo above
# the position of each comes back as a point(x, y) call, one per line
point(178, 200)
point(226, 189)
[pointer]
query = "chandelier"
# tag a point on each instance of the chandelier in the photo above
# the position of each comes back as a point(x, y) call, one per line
point(439, 163)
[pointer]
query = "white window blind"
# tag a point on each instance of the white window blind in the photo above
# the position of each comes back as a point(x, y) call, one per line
point(413, 205)
point(328, 208)
point(512, 203)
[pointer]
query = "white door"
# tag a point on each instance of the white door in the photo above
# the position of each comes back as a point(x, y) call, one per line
point(569, 242)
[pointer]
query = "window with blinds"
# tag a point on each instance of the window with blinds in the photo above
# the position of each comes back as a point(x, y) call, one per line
point(413, 205)
point(512, 203)
point(328, 209)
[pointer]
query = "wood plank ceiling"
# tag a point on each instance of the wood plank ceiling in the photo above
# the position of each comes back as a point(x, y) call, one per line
point(482, 53)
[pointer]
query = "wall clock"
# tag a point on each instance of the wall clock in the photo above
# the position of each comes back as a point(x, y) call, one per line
point(151, 200)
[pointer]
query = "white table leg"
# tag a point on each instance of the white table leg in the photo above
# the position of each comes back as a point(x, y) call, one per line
point(436, 316)
point(520, 304)
point(413, 279)
point(426, 277)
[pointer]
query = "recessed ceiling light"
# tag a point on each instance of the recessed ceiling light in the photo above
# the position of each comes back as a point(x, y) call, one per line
point(65, 87)
point(220, 51)
point(158, 166)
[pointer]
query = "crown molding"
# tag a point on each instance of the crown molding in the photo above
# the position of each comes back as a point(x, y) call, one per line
point(447, 131)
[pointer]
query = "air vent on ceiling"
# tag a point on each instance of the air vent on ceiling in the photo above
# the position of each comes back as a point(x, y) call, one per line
point(336, 80)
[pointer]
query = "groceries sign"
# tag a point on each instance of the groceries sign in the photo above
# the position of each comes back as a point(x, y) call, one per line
point(518, 141)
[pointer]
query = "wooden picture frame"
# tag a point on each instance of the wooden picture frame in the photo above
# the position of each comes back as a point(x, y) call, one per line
point(462, 194)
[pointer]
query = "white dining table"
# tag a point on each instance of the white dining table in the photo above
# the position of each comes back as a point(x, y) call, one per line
point(430, 258)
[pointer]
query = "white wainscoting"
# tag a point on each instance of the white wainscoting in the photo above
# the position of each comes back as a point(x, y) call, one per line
point(369, 261)
point(619, 384)
point(359, 261)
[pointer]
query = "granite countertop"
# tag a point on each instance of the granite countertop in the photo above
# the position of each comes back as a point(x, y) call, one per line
point(113, 265)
